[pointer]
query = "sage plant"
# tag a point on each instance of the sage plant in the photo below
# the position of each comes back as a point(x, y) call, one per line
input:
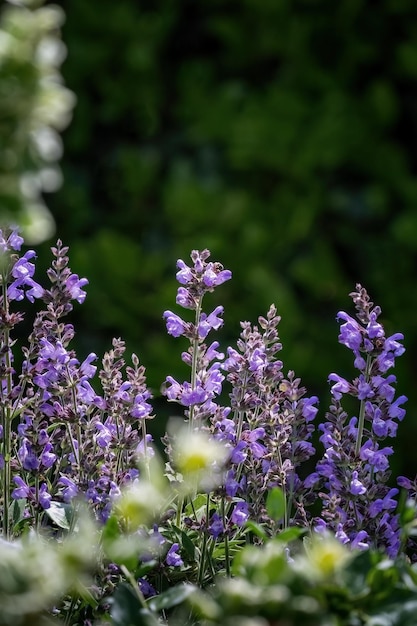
point(61, 440)
point(358, 505)
point(198, 394)
point(271, 425)
point(205, 378)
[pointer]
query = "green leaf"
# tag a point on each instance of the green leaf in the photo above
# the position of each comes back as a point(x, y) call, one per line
point(111, 530)
point(290, 534)
point(16, 510)
point(86, 595)
point(171, 597)
point(186, 542)
point(126, 609)
point(276, 504)
point(256, 529)
point(61, 514)
point(122, 549)
point(145, 568)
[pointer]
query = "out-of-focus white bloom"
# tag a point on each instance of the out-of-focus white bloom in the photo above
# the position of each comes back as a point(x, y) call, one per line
point(324, 557)
point(198, 458)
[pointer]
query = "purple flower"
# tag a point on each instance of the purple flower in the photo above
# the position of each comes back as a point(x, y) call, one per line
point(70, 488)
point(74, 285)
point(360, 540)
point(175, 325)
point(356, 487)
point(213, 380)
point(174, 390)
point(12, 242)
point(212, 352)
point(395, 411)
point(106, 432)
point(22, 490)
point(234, 361)
point(309, 411)
point(240, 513)
point(146, 588)
point(350, 331)
point(50, 352)
point(340, 387)
point(86, 367)
point(48, 458)
point(23, 272)
point(184, 274)
point(207, 322)
point(405, 482)
point(239, 453)
point(385, 503)
point(141, 408)
point(213, 278)
point(258, 359)
point(191, 396)
point(251, 437)
point(376, 458)
point(172, 558)
point(374, 329)
point(140, 449)
point(364, 389)
point(87, 394)
point(27, 457)
point(185, 299)
point(44, 497)
point(231, 485)
point(216, 527)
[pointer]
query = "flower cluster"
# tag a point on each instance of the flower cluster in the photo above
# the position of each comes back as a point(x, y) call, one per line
point(271, 426)
point(358, 505)
point(67, 441)
point(206, 378)
point(74, 434)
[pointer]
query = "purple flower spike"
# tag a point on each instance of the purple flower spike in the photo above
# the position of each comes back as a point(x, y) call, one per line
point(354, 460)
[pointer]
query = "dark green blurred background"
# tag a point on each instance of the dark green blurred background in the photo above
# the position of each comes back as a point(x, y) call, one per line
point(280, 134)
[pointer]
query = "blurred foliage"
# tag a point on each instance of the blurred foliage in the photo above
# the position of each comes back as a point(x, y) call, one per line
point(279, 134)
point(34, 106)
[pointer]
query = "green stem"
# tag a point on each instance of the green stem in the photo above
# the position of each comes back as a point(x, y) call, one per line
point(226, 540)
point(284, 492)
point(361, 419)
point(194, 360)
point(132, 580)
point(204, 545)
point(145, 450)
point(6, 419)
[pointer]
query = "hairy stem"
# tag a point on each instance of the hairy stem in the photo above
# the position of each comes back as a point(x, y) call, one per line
point(361, 418)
